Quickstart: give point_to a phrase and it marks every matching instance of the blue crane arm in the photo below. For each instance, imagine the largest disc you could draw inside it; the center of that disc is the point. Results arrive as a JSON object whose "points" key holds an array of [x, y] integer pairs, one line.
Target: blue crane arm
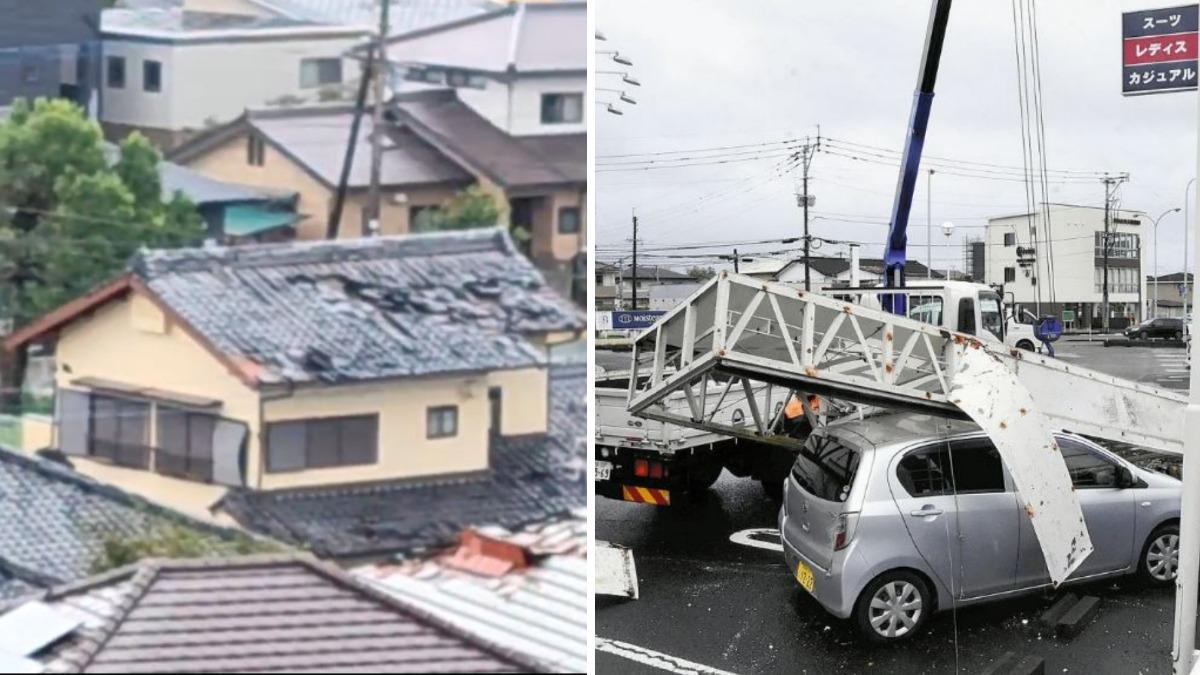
{"points": [[896, 252]]}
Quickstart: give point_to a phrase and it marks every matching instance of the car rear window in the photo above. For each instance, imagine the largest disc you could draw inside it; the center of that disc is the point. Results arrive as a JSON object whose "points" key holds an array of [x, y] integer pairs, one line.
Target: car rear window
{"points": [[825, 467]]}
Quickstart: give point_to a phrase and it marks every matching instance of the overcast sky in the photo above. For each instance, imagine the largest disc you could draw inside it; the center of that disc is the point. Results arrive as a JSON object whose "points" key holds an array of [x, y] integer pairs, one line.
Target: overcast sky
{"points": [[718, 73]]}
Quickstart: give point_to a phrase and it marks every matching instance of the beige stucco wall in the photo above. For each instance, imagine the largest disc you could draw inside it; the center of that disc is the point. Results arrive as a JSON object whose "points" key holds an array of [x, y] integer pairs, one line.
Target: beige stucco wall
{"points": [[404, 451], [131, 341], [523, 400], [547, 242], [228, 162]]}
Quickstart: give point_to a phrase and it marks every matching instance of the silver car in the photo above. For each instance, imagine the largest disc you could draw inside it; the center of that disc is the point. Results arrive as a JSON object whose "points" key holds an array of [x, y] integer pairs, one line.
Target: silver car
{"points": [[878, 527]]}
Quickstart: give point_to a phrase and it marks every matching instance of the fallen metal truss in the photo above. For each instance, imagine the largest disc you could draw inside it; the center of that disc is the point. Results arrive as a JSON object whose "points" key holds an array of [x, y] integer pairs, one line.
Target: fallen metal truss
{"points": [[772, 342]]}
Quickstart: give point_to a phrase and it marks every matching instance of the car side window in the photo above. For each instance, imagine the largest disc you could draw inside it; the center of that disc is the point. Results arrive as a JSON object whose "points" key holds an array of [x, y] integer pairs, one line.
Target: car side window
{"points": [[977, 469], [1088, 468]]}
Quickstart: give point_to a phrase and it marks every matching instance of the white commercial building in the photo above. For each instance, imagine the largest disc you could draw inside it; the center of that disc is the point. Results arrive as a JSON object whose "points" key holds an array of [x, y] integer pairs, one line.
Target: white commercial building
{"points": [[1067, 279]]}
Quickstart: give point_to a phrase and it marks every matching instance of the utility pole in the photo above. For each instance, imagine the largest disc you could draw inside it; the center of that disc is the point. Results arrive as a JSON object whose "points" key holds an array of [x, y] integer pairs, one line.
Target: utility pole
{"points": [[804, 200], [929, 225], [371, 227], [736, 259], [635, 266], [1110, 187]]}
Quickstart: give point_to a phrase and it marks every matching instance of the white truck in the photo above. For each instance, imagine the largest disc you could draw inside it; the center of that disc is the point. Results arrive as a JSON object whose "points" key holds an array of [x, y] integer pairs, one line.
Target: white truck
{"points": [[655, 462]]}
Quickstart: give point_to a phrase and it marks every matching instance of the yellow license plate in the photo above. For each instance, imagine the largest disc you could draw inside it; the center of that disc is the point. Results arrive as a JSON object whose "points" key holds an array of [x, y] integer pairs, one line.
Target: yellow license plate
{"points": [[804, 575]]}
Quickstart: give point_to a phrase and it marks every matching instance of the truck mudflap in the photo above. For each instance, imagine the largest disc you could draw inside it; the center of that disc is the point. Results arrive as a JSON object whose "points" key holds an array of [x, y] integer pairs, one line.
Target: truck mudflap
{"points": [[646, 495], [615, 572]]}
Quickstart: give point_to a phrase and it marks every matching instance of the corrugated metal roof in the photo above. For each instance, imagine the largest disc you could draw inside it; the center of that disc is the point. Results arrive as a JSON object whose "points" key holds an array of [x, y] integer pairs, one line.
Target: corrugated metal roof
{"points": [[288, 613], [540, 610]]}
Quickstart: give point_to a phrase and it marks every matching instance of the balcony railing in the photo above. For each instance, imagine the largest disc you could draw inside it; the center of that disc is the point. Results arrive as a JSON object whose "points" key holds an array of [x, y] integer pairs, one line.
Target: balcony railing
{"points": [[129, 455], [165, 463]]}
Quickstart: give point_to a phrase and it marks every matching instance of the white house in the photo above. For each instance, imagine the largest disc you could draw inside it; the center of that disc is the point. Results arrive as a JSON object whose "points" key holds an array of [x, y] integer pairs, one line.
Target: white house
{"points": [[1076, 247], [523, 67], [172, 72]]}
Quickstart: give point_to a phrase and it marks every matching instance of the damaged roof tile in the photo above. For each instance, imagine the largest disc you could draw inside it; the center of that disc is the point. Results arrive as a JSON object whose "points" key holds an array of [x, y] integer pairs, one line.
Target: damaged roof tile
{"points": [[345, 311]]}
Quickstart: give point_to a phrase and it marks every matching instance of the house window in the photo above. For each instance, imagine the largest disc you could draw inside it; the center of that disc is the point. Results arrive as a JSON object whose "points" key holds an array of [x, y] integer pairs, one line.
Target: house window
{"points": [[568, 220], [1010, 238], [562, 108], [254, 150], [119, 431], [30, 72], [185, 444], [321, 443], [116, 72], [320, 72], [1010, 275], [441, 422], [422, 218], [152, 76]]}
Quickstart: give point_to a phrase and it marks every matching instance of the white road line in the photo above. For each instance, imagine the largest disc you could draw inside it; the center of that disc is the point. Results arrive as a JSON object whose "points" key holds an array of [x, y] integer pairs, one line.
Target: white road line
{"points": [[755, 537], [649, 657]]}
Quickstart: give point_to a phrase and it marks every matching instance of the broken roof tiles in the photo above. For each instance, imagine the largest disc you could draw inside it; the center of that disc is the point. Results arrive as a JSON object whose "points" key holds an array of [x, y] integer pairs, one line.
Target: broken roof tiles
{"points": [[354, 310]]}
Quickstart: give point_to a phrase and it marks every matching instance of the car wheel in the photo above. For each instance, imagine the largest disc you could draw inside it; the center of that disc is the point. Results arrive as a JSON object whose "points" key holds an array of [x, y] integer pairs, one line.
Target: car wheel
{"points": [[1143, 335], [894, 606], [1026, 345], [1178, 336], [1160, 556]]}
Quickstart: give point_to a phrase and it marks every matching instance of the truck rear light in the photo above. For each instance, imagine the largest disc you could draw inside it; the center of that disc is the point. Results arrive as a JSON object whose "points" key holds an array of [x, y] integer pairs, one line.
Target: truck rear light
{"points": [[656, 470], [641, 468]]}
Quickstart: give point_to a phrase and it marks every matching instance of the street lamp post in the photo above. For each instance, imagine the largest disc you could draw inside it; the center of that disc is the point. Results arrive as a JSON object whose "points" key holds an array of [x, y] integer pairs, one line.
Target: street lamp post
{"points": [[1154, 305], [1185, 247]]}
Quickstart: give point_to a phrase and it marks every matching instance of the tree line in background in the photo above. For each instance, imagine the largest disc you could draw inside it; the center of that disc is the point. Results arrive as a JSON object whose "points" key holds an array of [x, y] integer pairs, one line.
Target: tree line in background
{"points": [[72, 213]]}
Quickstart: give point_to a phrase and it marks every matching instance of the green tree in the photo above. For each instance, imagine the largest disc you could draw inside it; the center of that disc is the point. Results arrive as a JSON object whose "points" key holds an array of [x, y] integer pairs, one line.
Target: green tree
{"points": [[70, 220], [699, 272], [470, 208]]}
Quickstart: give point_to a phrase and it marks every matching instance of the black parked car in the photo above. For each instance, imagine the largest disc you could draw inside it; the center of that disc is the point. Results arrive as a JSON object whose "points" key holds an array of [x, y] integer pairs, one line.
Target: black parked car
{"points": [[1171, 329]]}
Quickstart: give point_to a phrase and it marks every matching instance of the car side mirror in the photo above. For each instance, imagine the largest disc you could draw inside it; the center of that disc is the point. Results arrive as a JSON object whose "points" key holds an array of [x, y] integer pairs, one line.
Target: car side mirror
{"points": [[1125, 477]]}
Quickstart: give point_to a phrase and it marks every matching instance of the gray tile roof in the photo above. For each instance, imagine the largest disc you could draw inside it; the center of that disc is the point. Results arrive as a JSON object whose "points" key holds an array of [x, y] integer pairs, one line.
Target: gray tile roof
{"points": [[512, 161], [521, 38], [178, 21], [289, 613], [316, 138], [404, 15], [363, 309], [531, 479], [54, 522]]}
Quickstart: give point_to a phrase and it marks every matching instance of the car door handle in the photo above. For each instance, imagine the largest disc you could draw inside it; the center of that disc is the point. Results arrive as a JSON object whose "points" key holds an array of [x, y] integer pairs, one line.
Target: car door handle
{"points": [[931, 511]]}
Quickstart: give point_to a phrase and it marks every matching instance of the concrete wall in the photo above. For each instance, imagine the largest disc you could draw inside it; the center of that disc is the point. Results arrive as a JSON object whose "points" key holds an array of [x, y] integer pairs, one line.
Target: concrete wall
{"points": [[1073, 240], [197, 90]]}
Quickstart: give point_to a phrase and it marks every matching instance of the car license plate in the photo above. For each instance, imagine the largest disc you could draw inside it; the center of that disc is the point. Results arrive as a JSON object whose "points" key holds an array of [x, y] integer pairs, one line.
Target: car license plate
{"points": [[603, 470], [804, 575]]}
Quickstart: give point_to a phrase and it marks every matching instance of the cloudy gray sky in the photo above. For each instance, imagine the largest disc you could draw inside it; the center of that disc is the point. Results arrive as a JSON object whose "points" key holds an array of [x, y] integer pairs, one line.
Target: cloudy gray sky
{"points": [[720, 73]]}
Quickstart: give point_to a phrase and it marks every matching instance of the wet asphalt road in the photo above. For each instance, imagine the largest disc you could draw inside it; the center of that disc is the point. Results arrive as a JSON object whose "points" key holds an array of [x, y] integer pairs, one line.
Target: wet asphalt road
{"points": [[735, 608]]}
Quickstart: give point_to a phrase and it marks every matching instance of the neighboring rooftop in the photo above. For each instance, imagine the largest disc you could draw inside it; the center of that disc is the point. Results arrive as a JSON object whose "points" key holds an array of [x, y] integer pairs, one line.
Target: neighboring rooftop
{"points": [[524, 38], [651, 273], [348, 310], [434, 138], [289, 612], [531, 479], [197, 187], [832, 267], [179, 25], [526, 589], [55, 523], [444, 121]]}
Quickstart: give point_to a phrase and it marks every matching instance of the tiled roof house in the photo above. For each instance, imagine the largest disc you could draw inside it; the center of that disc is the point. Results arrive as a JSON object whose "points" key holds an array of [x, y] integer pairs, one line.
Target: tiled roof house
{"points": [[333, 368]]}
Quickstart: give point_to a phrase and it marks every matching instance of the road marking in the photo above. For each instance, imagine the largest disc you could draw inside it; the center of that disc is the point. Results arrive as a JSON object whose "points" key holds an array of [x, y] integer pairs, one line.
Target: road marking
{"points": [[758, 537], [649, 657]]}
